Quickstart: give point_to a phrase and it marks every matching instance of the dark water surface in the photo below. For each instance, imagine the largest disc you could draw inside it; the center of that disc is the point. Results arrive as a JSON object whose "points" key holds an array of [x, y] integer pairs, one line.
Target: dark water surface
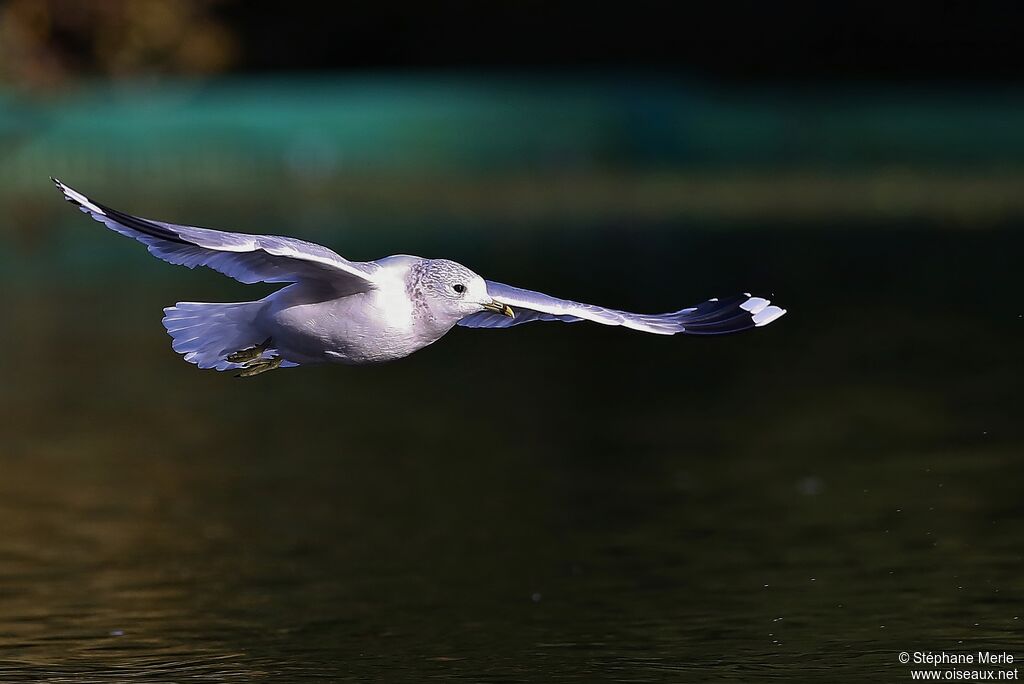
{"points": [[551, 502]]}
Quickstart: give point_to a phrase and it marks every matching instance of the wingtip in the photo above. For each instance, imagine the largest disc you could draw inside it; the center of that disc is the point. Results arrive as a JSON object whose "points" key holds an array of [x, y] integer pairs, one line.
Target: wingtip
{"points": [[754, 305], [767, 315], [77, 198], [761, 310]]}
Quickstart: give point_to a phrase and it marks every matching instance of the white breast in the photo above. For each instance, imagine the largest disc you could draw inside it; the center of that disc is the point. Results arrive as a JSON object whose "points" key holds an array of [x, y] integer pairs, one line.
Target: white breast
{"points": [[392, 303], [368, 327]]}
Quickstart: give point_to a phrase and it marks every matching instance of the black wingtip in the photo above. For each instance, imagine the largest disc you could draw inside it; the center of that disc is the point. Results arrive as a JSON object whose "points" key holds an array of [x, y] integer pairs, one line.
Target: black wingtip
{"points": [[64, 191], [731, 314]]}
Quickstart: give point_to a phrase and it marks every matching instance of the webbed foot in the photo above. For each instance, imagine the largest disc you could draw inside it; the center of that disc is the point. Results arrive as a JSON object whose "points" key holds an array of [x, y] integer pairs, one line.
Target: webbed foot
{"points": [[252, 360], [257, 366], [251, 354]]}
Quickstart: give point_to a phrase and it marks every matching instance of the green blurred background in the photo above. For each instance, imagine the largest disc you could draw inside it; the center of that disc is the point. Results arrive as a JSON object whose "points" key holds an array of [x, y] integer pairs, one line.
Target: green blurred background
{"points": [[548, 502]]}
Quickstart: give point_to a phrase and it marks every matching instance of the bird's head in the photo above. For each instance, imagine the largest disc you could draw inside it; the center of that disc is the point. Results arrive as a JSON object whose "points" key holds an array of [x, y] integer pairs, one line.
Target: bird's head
{"points": [[456, 291]]}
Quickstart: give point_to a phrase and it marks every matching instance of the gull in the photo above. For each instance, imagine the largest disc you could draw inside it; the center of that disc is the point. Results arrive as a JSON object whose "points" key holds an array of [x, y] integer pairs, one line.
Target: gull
{"points": [[361, 312]]}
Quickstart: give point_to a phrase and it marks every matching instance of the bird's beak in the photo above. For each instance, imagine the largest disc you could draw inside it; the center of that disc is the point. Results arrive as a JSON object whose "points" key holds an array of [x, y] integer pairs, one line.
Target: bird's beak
{"points": [[498, 307]]}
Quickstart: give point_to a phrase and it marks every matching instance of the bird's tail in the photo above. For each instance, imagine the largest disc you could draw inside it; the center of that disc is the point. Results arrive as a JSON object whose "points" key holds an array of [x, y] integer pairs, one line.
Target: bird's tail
{"points": [[207, 334]]}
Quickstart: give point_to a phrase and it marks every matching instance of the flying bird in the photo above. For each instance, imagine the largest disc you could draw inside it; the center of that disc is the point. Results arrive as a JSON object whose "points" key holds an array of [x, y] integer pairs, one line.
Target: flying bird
{"points": [[360, 312]]}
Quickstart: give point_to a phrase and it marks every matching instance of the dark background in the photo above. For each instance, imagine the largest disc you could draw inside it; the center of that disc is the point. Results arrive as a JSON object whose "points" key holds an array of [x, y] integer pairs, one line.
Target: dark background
{"points": [[738, 41], [742, 41]]}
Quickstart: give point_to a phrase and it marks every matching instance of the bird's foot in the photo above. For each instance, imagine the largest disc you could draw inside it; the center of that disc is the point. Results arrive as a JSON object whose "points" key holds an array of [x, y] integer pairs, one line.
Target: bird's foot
{"points": [[251, 354], [257, 366], [253, 361]]}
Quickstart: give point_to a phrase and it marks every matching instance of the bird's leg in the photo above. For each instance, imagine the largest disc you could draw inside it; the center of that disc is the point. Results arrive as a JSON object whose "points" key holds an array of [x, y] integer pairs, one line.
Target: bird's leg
{"points": [[250, 354], [258, 366], [252, 360]]}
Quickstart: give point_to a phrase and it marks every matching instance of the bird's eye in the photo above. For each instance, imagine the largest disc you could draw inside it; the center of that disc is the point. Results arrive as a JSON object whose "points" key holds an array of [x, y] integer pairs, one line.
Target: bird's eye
{"points": [[459, 287]]}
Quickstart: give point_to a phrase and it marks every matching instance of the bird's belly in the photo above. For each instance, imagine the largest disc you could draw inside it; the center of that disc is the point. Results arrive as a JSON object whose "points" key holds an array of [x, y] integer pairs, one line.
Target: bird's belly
{"points": [[357, 329]]}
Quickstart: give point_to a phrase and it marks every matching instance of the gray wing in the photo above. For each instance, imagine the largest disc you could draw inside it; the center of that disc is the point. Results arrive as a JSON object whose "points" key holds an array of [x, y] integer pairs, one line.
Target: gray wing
{"points": [[713, 317], [246, 258]]}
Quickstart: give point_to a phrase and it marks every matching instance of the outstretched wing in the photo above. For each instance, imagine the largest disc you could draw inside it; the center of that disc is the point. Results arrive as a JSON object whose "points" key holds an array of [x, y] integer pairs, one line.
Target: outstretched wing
{"points": [[246, 258], [713, 317]]}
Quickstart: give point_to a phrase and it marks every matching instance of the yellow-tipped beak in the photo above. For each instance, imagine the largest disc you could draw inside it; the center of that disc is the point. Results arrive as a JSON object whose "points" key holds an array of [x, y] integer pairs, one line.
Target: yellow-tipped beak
{"points": [[498, 307]]}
